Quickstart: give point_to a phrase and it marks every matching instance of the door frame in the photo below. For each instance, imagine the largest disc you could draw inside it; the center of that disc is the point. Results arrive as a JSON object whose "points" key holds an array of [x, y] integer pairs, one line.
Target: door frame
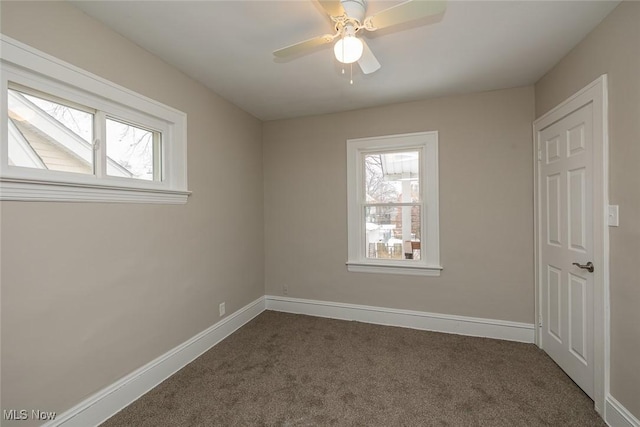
{"points": [[596, 94]]}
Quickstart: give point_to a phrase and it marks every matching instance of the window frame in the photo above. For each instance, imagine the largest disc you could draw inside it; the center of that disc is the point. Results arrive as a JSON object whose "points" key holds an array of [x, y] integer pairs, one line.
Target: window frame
{"points": [[24, 66], [427, 145]]}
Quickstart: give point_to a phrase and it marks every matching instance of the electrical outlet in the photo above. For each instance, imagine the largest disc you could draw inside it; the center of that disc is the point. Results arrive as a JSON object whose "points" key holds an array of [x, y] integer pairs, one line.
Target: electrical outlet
{"points": [[222, 310], [285, 289]]}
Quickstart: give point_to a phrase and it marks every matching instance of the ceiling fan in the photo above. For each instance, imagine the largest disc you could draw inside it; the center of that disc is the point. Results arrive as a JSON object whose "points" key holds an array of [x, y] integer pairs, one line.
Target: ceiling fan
{"points": [[348, 17]]}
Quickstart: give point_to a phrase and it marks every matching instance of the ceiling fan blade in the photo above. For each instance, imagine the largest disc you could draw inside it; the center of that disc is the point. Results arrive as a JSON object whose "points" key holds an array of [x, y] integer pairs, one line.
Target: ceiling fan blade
{"points": [[332, 7], [368, 62], [404, 12], [303, 46]]}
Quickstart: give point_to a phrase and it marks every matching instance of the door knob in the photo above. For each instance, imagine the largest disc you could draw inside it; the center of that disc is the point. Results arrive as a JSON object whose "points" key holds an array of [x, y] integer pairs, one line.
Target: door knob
{"points": [[588, 266]]}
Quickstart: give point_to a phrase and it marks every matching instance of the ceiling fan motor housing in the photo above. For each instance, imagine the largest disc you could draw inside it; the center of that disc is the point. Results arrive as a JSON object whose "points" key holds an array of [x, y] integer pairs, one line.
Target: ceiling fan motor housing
{"points": [[355, 9]]}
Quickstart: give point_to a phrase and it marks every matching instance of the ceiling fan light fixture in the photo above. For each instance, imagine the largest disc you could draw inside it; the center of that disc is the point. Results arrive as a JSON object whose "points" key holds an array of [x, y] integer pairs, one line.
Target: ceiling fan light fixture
{"points": [[348, 49]]}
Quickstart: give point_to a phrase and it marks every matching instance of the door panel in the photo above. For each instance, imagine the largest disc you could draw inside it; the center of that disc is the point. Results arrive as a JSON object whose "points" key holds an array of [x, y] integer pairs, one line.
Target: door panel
{"points": [[577, 319], [554, 299], [566, 237], [576, 215], [553, 210]]}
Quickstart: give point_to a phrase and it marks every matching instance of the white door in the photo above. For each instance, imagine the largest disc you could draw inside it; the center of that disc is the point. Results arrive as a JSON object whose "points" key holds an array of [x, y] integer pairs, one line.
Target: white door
{"points": [[566, 238]]}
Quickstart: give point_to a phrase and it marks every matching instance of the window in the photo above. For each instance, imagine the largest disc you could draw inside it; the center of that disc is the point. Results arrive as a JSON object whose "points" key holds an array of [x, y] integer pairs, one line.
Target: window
{"points": [[68, 135], [135, 151], [393, 204]]}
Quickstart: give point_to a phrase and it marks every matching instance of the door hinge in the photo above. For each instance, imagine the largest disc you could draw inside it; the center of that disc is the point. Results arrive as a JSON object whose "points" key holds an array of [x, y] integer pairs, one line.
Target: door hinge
{"points": [[540, 322], [539, 155]]}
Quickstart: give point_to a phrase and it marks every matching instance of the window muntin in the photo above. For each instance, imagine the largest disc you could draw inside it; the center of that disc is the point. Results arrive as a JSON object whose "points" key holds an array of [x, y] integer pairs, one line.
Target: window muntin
{"points": [[393, 204]]}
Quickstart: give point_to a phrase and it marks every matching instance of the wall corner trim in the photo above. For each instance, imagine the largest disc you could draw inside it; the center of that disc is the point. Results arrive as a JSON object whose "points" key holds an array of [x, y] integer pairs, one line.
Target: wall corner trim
{"points": [[115, 397], [616, 415], [461, 325]]}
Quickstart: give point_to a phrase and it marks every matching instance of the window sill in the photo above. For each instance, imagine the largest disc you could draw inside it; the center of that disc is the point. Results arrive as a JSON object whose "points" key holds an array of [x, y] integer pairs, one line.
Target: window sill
{"points": [[359, 267], [39, 191]]}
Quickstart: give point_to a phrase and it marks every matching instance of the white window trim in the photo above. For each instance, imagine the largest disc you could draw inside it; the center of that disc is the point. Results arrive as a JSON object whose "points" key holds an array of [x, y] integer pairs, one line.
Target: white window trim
{"points": [[32, 68], [427, 143]]}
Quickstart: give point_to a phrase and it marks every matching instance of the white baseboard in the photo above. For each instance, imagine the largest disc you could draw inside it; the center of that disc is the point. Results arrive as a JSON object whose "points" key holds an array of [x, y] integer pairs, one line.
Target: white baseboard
{"points": [[617, 415], [461, 325], [112, 399]]}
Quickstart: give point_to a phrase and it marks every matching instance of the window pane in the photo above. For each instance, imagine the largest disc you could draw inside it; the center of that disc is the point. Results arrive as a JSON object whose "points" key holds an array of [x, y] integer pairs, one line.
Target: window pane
{"points": [[47, 135], [392, 177], [392, 232], [130, 151]]}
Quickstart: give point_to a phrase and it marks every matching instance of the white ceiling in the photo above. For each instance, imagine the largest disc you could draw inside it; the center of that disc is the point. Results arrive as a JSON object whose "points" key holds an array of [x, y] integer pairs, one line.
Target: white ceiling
{"points": [[227, 45]]}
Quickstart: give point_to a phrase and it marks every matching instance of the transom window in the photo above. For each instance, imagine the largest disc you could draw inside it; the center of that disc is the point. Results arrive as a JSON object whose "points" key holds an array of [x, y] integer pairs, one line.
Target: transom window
{"points": [[44, 134], [69, 135], [134, 149], [393, 204], [53, 135]]}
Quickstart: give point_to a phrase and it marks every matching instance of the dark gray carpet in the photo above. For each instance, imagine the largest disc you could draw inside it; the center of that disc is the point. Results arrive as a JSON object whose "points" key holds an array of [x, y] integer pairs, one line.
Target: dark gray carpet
{"points": [[293, 370]]}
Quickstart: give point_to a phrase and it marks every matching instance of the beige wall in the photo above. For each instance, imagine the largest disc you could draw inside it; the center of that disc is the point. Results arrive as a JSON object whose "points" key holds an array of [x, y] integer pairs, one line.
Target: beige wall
{"points": [[486, 207], [614, 48], [91, 291]]}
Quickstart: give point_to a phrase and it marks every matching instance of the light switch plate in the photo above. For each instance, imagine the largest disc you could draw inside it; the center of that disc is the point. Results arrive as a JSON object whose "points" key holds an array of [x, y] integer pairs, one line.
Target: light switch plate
{"points": [[614, 216]]}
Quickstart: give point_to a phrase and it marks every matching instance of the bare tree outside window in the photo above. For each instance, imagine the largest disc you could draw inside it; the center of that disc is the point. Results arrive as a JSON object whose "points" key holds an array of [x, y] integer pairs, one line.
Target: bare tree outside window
{"points": [[131, 147], [73, 119], [377, 189], [48, 135], [391, 181]]}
